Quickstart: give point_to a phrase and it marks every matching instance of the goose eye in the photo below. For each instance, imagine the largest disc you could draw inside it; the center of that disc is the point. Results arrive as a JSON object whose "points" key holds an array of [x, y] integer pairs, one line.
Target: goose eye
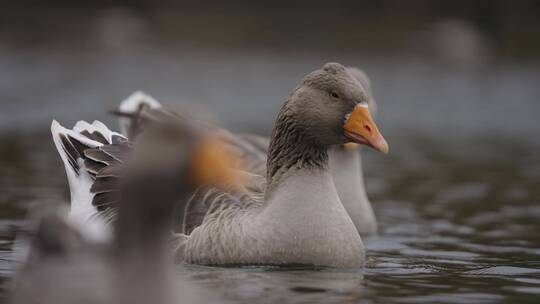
{"points": [[334, 95]]}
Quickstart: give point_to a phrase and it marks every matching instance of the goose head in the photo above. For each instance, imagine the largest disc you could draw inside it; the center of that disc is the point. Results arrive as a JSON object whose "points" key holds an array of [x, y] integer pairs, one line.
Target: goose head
{"points": [[333, 107]]}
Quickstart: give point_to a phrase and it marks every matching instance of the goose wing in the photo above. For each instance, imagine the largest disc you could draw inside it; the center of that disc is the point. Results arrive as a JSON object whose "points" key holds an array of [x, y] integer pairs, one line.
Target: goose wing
{"points": [[93, 157], [140, 109]]}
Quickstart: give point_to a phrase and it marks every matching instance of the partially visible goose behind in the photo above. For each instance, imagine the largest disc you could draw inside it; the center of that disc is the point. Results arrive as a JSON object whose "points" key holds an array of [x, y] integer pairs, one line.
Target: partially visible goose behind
{"points": [[168, 164], [344, 160], [346, 167], [296, 217]]}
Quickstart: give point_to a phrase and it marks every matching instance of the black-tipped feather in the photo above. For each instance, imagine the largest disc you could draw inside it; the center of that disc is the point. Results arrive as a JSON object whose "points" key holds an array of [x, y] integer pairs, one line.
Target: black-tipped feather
{"points": [[93, 167], [96, 136], [104, 184], [105, 200], [110, 171], [71, 153], [98, 155], [78, 146], [120, 152]]}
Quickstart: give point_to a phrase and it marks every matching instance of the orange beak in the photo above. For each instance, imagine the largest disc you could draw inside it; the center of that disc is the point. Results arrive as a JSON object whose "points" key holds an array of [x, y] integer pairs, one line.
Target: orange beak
{"points": [[361, 129]]}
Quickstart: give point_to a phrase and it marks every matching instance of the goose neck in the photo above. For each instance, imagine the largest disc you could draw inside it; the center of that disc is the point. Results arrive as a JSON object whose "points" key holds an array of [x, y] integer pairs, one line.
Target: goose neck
{"points": [[293, 149]]}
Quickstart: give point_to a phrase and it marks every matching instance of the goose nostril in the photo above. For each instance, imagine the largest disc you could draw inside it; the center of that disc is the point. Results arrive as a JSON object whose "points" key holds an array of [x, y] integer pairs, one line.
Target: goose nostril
{"points": [[368, 128]]}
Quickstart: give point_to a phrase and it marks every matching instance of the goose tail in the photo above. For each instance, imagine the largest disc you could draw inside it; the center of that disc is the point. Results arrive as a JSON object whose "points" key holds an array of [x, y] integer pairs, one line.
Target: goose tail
{"points": [[71, 145], [131, 106]]}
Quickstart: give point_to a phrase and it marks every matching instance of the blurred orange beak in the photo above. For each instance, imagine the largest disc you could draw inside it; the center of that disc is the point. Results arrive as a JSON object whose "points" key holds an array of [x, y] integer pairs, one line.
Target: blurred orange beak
{"points": [[214, 165], [361, 129]]}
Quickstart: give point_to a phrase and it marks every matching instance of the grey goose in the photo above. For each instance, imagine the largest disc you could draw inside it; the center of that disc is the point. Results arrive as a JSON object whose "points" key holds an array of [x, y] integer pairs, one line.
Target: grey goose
{"points": [[295, 216]]}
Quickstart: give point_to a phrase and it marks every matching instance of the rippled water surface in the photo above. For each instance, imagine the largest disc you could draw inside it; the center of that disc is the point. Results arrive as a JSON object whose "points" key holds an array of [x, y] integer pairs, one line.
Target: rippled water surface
{"points": [[454, 228], [458, 199]]}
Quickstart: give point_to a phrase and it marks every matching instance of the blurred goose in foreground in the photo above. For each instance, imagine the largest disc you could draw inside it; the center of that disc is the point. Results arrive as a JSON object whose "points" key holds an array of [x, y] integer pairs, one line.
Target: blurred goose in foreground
{"points": [[296, 217], [169, 162], [344, 160]]}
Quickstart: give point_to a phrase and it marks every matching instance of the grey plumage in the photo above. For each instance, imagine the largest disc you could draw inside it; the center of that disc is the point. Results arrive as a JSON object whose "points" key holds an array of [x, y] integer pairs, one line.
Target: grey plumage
{"points": [[346, 168], [292, 145]]}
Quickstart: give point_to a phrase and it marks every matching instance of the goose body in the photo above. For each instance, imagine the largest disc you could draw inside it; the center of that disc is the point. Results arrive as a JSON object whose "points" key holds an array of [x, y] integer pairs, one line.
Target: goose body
{"points": [[295, 216], [345, 164], [291, 226]]}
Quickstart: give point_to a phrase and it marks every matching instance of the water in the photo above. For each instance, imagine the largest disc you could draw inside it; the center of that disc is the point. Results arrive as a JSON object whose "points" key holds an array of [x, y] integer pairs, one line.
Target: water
{"points": [[458, 198], [453, 229]]}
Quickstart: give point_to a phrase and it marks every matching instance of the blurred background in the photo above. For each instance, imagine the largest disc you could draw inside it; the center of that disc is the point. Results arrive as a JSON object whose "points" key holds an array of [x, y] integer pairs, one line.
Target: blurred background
{"points": [[457, 64], [458, 91]]}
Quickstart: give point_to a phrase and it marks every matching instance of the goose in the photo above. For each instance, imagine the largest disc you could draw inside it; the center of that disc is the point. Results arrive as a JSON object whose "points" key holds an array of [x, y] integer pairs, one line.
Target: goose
{"points": [[296, 217], [345, 165], [134, 266], [344, 160]]}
